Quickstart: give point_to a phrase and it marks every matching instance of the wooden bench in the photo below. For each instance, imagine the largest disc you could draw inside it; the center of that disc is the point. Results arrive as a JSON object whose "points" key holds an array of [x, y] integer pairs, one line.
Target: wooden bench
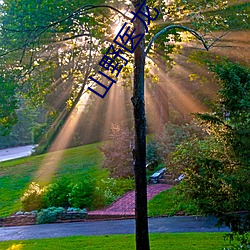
{"points": [[155, 177]]}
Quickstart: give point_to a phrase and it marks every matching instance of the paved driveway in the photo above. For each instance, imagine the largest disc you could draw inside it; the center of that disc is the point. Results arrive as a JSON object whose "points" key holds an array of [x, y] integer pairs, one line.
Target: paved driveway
{"points": [[125, 205], [156, 225]]}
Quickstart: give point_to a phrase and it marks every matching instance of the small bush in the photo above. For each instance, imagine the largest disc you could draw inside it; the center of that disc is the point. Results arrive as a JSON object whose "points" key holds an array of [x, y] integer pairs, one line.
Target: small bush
{"points": [[152, 157], [81, 194], [109, 189], [33, 198], [48, 215], [57, 193], [242, 241], [103, 194], [123, 185]]}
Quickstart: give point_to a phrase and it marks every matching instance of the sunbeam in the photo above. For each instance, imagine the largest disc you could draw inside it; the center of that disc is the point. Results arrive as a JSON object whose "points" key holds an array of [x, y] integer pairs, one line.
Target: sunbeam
{"points": [[51, 161]]}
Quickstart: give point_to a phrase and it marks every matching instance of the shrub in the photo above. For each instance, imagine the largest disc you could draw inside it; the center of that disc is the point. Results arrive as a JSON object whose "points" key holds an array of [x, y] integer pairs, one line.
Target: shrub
{"points": [[73, 209], [81, 194], [109, 189], [103, 194], [118, 153], [48, 215], [152, 156], [33, 197], [243, 242], [56, 194], [208, 179]]}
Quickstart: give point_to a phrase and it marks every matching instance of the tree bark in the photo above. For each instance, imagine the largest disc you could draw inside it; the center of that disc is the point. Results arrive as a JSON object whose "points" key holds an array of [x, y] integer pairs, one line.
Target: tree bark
{"points": [[139, 151]]}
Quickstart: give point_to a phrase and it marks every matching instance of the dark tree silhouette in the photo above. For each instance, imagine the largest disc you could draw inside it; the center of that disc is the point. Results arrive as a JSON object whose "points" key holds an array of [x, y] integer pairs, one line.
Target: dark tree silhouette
{"points": [[139, 151]]}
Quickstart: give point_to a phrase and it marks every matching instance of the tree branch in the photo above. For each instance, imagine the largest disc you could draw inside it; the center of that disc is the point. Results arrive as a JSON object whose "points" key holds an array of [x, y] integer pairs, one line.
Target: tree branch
{"points": [[76, 12], [42, 29], [193, 32], [218, 38]]}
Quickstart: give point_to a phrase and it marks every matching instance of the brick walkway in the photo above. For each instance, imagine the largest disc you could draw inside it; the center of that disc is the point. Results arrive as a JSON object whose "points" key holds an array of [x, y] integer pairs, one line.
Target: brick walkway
{"points": [[124, 207]]}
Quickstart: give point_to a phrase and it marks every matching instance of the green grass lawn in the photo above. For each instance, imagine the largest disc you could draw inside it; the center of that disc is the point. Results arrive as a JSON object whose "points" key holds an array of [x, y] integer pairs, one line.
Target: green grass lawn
{"points": [[16, 175], [169, 202], [170, 241]]}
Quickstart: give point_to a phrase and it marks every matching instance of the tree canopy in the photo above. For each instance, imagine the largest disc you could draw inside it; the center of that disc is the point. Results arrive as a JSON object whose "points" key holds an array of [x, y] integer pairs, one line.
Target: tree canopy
{"points": [[54, 46]]}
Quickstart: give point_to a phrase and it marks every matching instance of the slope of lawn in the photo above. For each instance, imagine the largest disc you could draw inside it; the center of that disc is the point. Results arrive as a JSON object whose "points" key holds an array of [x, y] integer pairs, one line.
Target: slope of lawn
{"points": [[16, 175], [173, 241], [169, 202]]}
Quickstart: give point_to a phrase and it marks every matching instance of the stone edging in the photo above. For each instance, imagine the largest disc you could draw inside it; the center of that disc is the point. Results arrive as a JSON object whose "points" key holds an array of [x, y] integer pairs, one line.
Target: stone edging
{"points": [[30, 219]]}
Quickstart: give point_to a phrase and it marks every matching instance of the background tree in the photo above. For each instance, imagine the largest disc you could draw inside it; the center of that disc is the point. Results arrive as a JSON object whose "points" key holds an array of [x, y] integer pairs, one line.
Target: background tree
{"points": [[53, 54], [8, 105], [165, 142], [118, 156]]}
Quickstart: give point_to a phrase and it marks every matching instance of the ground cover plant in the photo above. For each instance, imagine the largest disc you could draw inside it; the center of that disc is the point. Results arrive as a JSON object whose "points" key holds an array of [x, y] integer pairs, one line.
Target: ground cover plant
{"points": [[171, 241]]}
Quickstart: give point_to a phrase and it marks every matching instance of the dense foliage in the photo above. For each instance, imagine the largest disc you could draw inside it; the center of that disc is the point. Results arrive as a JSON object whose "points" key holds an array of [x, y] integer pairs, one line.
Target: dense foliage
{"points": [[56, 194], [8, 105], [162, 143], [217, 168], [90, 193], [53, 46]]}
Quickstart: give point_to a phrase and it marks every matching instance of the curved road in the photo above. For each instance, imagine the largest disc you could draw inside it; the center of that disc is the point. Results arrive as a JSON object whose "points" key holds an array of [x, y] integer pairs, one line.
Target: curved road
{"points": [[17, 152], [156, 225]]}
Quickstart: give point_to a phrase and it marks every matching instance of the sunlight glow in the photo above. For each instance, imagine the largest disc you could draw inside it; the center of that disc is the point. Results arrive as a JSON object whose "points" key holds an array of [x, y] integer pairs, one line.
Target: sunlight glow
{"points": [[171, 93], [117, 27], [115, 110], [52, 159], [16, 247]]}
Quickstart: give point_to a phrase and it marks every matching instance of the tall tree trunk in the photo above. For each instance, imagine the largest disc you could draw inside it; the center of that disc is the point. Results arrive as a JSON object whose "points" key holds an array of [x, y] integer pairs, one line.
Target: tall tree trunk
{"points": [[139, 151]]}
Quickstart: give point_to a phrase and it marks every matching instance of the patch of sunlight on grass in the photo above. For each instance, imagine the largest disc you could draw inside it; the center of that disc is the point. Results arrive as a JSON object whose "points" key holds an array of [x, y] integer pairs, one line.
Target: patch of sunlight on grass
{"points": [[15, 247]]}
